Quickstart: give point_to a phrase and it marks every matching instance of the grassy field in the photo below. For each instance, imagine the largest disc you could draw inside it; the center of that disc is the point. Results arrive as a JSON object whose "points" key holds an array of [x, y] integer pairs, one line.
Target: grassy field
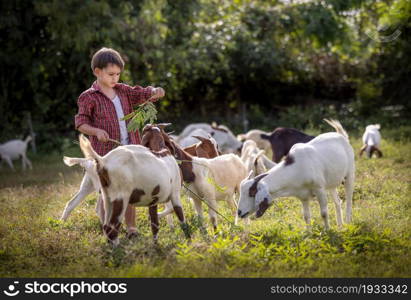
{"points": [[34, 243]]}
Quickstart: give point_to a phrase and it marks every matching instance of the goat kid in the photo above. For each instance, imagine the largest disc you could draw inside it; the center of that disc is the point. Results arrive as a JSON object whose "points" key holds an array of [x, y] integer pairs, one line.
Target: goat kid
{"points": [[13, 150], [309, 170], [371, 140]]}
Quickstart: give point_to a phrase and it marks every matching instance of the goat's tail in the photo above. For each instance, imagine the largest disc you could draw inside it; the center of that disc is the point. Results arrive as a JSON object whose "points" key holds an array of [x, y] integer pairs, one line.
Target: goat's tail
{"points": [[88, 150], [337, 126], [28, 139]]}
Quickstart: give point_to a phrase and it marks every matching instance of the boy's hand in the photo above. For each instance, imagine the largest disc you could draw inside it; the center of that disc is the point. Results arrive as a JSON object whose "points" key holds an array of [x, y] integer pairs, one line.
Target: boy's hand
{"points": [[102, 135], [157, 93]]}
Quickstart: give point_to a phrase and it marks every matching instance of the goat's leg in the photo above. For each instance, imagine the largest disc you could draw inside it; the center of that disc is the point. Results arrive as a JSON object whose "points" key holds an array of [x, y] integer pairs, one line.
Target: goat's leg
{"points": [[9, 162], [212, 212], [198, 206], [23, 163], [154, 221], [379, 153], [234, 208], [322, 199], [362, 150], [115, 212], [86, 188], [130, 220], [166, 213], [176, 202], [349, 189], [28, 162], [167, 210], [337, 203], [306, 211], [100, 211]]}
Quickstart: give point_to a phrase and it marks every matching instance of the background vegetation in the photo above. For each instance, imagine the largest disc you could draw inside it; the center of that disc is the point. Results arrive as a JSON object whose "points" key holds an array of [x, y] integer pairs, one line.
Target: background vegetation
{"points": [[278, 62]]}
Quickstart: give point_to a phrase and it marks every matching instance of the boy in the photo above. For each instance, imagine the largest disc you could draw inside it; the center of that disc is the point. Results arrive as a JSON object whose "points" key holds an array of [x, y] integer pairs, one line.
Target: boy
{"points": [[101, 108]]}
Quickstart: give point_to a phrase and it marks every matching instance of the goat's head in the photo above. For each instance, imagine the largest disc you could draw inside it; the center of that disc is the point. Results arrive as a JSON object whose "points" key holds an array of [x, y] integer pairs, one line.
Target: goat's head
{"points": [[254, 196], [153, 138], [206, 148]]}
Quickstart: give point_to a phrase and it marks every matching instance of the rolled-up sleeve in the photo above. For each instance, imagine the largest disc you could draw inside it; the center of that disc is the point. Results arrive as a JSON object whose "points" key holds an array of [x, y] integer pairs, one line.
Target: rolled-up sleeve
{"points": [[84, 115], [137, 94]]}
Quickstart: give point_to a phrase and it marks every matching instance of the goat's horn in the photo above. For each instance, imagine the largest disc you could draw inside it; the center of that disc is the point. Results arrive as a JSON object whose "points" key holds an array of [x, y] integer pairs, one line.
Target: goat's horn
{"points": [[250, 174]]}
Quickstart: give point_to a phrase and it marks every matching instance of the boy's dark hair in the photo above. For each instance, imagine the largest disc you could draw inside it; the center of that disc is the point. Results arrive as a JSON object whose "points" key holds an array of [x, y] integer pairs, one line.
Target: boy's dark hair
{"points": [[106, 56]]}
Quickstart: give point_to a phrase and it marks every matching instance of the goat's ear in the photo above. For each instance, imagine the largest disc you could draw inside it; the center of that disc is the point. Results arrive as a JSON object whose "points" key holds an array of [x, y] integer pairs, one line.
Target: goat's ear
{"points": [[241, 137], [71, 161], [250, 174], [163, 125], [200, 138]]}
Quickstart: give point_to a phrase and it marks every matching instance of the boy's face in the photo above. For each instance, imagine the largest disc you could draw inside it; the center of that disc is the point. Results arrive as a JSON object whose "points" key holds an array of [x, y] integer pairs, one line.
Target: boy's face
{"points": [[108, 76]]}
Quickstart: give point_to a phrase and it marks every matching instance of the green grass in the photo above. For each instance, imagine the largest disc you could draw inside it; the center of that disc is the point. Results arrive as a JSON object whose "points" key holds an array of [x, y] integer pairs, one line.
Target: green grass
{"points": [[34, 243]]}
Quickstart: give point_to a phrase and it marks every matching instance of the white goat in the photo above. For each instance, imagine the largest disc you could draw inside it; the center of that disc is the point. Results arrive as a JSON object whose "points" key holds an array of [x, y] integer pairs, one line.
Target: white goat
{"points": [[227, 142], [213, 179], [157, 181], [254, 158], [14, 149], [309, 169], [371, 140], [190, 128]]}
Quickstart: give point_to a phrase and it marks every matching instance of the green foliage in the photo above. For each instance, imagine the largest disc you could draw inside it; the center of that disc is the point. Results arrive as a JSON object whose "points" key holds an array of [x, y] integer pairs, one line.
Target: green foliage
{"points": [[210, 56], [143, 114]]}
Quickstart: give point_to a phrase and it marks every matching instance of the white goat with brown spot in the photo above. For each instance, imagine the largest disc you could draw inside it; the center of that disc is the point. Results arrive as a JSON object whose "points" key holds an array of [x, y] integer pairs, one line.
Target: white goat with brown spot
{"points": [[310, 169], [157, 180]]}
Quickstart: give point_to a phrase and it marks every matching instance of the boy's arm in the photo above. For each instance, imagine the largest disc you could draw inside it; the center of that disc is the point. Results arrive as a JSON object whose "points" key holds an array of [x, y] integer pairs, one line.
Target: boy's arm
{"points": [[101, 134], [138, 94], [83, 119]]}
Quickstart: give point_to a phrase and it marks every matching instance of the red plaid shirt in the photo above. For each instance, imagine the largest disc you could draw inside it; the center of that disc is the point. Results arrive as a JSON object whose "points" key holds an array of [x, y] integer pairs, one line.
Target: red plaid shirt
{"points": [[97, 110]]}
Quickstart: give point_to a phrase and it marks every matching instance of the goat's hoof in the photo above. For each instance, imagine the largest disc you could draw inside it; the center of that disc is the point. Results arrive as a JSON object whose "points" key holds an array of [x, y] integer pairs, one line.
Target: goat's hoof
{"points": [[132, 235]]}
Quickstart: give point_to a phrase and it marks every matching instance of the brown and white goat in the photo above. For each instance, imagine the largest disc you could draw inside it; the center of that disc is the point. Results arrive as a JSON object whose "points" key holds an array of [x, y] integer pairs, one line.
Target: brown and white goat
{"points": [[204, 148], [136, 175], [213, 179]]}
